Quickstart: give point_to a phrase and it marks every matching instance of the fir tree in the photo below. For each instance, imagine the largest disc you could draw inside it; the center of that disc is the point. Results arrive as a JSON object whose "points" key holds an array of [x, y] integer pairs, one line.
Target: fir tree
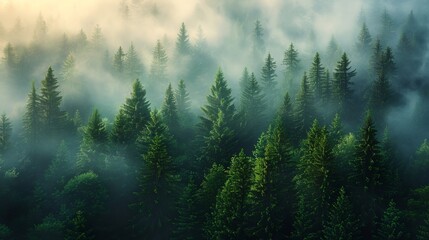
{"points": [[245, 79], [118, 61], [183, 46], [304, 108], [341, 223], [69, 67], [183, 103], [120, 132], [32, 117], [53, 118], [292, 65], [285, 117], [342, 80], [381, 96], [133, 66], [228, 218], [268, 76], [186, 222], [157, 180], [314, 183], [364, 40], [169, 111], [391, 227], [316, 76], [258, 38], [158, 68], [5, 133]]}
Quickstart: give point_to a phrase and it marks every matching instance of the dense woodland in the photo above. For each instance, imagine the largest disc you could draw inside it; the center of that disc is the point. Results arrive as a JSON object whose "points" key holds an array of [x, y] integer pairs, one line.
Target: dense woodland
{"points": [[296, 150]]}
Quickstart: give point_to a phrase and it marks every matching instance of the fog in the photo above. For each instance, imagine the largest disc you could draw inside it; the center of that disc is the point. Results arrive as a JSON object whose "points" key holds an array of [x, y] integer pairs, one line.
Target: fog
{"points": [[227, 29]]}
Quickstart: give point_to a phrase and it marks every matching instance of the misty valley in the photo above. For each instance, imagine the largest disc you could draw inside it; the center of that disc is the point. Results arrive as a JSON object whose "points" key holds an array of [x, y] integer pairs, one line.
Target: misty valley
{"points": [[134, 119]]}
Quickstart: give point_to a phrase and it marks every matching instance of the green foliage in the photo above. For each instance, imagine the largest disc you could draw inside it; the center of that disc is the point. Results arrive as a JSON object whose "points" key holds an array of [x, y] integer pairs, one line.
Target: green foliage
{"points": [[183, 46], [183, 103], [342, 80], [5, 232], [69, 68], [118, 61], [32, 117], [423, 231], [341, 223], [304, 113], [5, 133], [169, 112], [291, 61], [316, 75], [158, 68], [50, 229], [314, 183], [391, 226], [268, 76], [228, 218], [364, 40], [258, 38], [133, 66], [186, 222], [78, 228]]}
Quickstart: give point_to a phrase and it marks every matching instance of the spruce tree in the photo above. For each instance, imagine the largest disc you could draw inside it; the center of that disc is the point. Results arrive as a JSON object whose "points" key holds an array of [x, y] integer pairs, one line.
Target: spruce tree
{"points": [[133, 66], [285, 117], [183, 103], [341, 223], [118, 61], [342, 80], [120, 134], [53, 118], [228, 218], [316, 75], [186, 222], [157, 182], [183, 46], [291, 62], [69, 68], [381, 96], [158, 68], [304, 108], [258, 38], [314, 183], [364, 40], [268, 76], [5, 133], [32, 117], [169, 112], [245, 79], [391, 226]]}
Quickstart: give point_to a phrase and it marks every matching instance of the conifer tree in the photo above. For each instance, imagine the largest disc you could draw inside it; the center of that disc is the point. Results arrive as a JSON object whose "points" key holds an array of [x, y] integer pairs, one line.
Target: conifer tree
{"points": [[292, 65], [316, 76], [326, 91], [341, 223], [314, 183], [5, 133], [342, 80], [367, 176], [252, 110], [169, 112], [10, 59], [118, 61], [32, 117], [136, 110], [133, 66], [186, 222], [364, 40], [270, 191], [258, 38], [69, 67], [183, 103], [336, 129], [285, 117], [386, 26], [53, 118], [245, 79], [304, 108], [333, 53], [377, 57], [158, 68], [183, 46], [380, 96], [157, 182], [391, 227], [228, 218], [388, 63], [268, 76], [120, 133]]}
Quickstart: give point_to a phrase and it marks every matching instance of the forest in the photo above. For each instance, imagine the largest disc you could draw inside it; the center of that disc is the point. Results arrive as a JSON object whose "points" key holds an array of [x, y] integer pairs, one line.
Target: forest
{"points": [[225, 120]]}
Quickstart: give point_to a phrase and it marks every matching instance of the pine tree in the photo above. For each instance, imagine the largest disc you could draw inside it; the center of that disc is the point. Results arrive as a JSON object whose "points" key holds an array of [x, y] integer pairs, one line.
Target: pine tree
{"points": [[367, 174], [326, 92], [333, 53], [97, 39], [183, 46], [183, 103], [10, 58], [5, 133], [285, 117], [32, 117], [228, 218], [258, 38], [316, 75], [292, 65], [341, 223], [120, 133], [270, 191], [220, 99], [252, 110], [186, 222], [95, 132], [388, 63], [136, 110], [304, 108], [268, 76], [53, 118], [336, 129], [245, 79], [381, 96], [377, 57], [158, 68], [391, 227], [314, 183], [157, 180], [169, 112], [69, 67], [133, 66], [386, 26], [364, 40], [118, 61], [342, 80]]}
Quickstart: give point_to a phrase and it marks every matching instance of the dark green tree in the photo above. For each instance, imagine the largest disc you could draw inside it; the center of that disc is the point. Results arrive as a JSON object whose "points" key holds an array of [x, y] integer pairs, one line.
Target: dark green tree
{"points": [[32, 120], [314, 183], [292, 65], [245, 79], [169, 112], [268, 76], [316, 75], [342, 80], [5, 133], [341, 222], [228, 218], [157, 182], [120, 133], [391, 226], [381, 96], [183, 103], [186, 222], [53, 118], [183, 46], [364, 40], [304, 113]]}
